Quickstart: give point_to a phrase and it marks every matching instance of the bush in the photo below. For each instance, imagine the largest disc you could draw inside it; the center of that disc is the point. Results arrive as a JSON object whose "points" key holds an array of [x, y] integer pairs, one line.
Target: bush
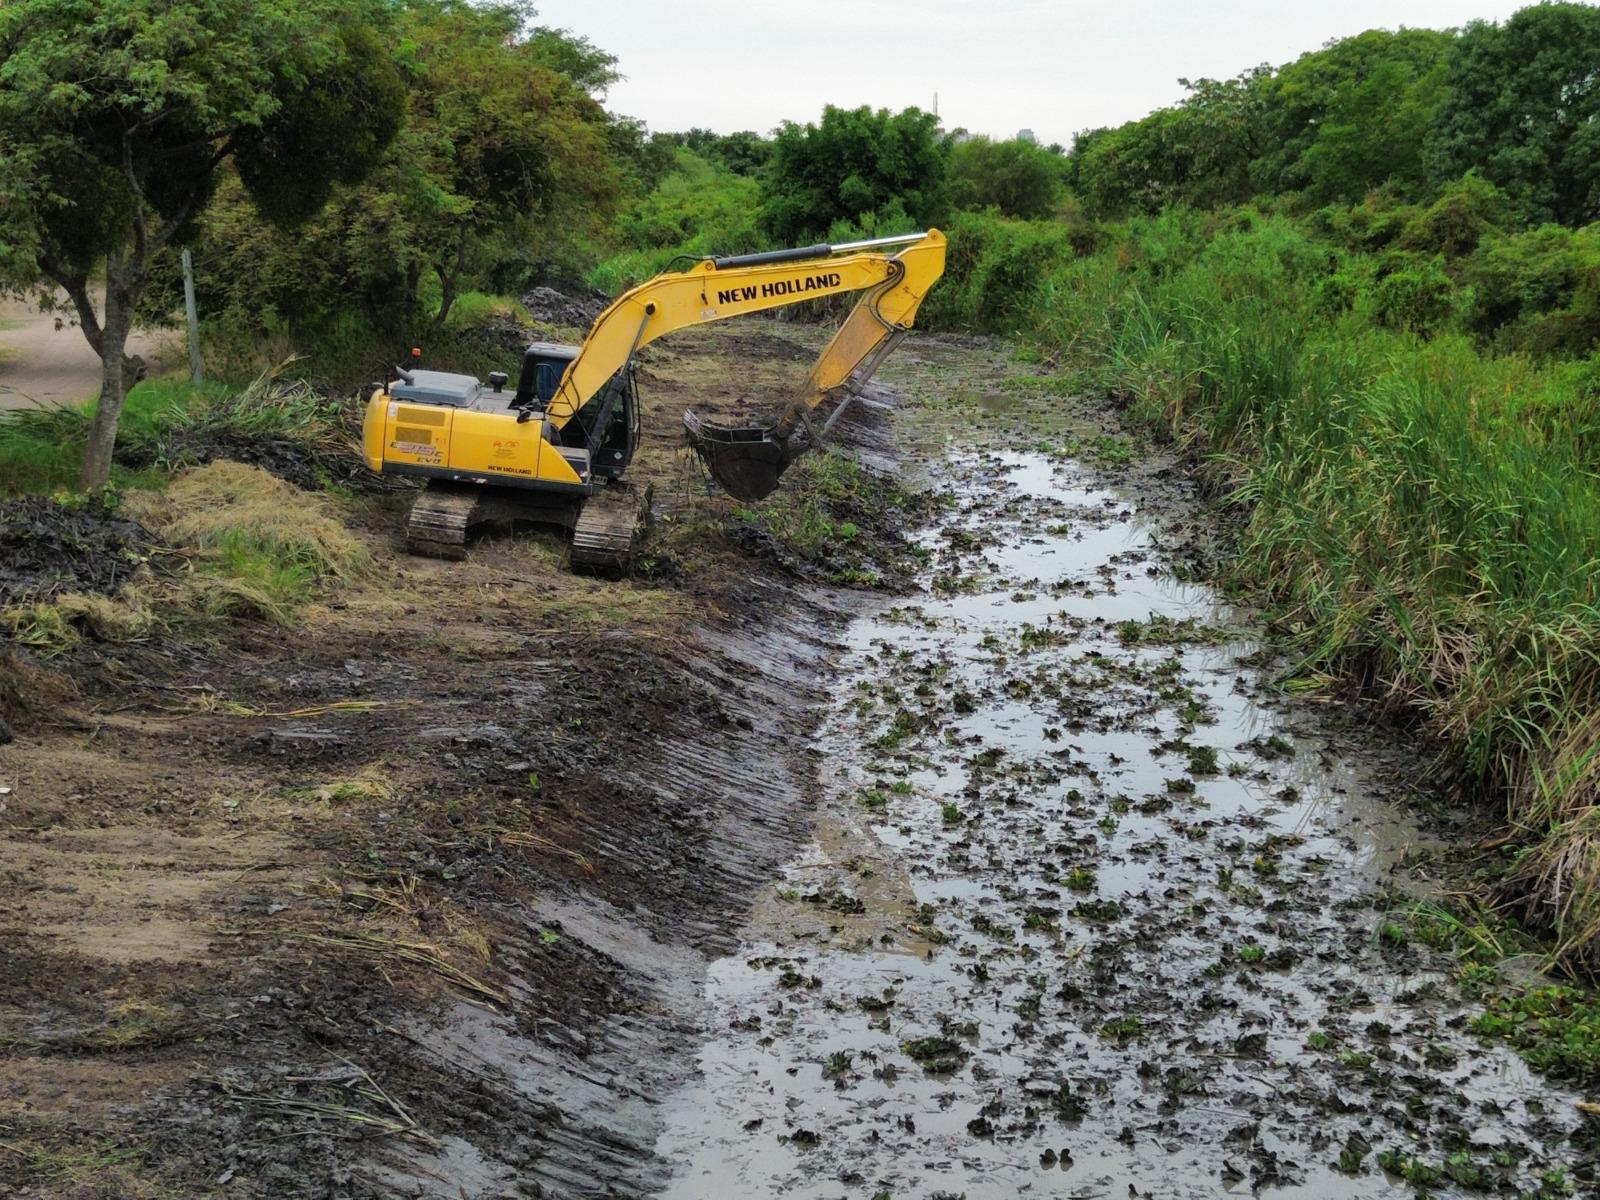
{"points": [[1465, 212], [993, 271], [1016, 178], [1414, 294], [1537, 291]]}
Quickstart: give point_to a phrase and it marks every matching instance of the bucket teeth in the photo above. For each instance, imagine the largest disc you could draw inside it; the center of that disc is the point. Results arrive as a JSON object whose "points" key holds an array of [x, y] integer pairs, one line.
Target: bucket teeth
{"points": [[746, 460]]}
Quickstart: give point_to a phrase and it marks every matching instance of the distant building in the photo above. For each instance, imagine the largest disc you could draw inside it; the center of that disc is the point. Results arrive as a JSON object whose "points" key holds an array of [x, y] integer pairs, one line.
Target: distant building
{"points": [[1026, 135]]}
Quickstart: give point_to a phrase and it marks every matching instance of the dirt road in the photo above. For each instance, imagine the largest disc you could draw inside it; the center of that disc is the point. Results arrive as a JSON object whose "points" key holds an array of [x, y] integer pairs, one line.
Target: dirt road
{"points": [[45, 360]]}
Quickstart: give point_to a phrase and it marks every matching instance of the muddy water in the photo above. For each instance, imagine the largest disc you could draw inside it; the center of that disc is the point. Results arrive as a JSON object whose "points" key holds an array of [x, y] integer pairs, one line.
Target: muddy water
{"points": [[1088, 912]]}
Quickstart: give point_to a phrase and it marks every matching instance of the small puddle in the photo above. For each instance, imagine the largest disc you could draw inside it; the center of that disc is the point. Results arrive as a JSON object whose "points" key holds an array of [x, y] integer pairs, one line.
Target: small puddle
{"points": [[1085, 915]]}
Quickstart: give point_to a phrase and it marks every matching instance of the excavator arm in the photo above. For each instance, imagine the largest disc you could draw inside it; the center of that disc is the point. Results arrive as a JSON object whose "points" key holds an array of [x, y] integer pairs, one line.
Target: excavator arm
{"points": [[748, 460]]}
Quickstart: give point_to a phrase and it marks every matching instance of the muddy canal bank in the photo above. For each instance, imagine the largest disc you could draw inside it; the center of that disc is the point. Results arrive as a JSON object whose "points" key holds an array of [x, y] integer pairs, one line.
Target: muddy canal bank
{"points": [[1090, 909], [481, 880]]}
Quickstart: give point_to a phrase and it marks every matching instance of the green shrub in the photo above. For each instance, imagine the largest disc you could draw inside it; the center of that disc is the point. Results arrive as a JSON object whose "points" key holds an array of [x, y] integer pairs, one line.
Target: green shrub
{"points": [[1414, 294]]}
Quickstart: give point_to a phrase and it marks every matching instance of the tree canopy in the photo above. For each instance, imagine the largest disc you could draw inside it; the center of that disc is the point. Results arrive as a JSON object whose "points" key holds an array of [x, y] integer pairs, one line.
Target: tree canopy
{"points": [[119, 116], [502, 158], [854, 164], [1522, 107], [1017, 177], [1407, 111]]}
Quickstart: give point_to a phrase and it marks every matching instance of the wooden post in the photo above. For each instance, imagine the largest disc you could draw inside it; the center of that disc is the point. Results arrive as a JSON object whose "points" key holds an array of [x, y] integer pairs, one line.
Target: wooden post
{"points": [[196, 370]]}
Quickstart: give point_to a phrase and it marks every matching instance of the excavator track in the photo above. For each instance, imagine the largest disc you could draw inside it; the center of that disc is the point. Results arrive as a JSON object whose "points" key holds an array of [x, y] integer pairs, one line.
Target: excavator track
{"points": [[606, 535], [439, 520]]}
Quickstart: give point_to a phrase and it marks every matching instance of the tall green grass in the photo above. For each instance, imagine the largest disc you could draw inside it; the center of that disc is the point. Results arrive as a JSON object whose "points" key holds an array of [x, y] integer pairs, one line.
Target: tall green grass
{"points": [[41, 449], [1423, 515]]}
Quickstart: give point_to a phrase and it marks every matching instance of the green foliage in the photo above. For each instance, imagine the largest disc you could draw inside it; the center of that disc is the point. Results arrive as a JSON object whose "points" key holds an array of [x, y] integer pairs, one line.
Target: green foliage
{"points": [[742, 153], [1405, 112], [497, 144], [1556, 1028], [1521, 107], [120, 115], [1464, 212], [852, 165], [1413, 293], [129, 107], [1018, 178], [697, 209], [994, 270], [1537, 291], [1352, 116], [502, 162], [41, 449]]}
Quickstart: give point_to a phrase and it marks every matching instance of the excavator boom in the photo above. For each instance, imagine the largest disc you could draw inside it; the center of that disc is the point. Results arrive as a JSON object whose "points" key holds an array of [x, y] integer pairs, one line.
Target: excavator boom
{"points": [[747, 460]]}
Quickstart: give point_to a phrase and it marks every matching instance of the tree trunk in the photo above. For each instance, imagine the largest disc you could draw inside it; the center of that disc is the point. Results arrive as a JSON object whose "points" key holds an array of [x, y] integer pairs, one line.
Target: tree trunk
{"points": [[447, 298], [115, 372]]}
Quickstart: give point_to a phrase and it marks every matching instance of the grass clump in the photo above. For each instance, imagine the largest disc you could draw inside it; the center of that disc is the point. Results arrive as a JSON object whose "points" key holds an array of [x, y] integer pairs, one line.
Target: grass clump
{"points": [[264, 546], [41, 449]]}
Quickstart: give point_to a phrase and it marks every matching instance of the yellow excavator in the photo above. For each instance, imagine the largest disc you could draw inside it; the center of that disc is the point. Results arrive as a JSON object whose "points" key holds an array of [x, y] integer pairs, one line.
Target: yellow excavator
{"points": [[557, 448]]}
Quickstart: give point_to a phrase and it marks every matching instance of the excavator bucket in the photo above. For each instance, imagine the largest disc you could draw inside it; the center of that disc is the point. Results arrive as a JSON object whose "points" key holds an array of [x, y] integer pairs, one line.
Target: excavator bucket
{"points": [[745, 459]]}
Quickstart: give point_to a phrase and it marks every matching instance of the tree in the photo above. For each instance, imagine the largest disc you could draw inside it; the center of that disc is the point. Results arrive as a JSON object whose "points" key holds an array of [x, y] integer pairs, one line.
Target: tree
{"points": [[498, 141], [504, 169], [1522, 107], [1353, 116], [119, 114], [855, 164], [1198, 153], [1018, 177]]}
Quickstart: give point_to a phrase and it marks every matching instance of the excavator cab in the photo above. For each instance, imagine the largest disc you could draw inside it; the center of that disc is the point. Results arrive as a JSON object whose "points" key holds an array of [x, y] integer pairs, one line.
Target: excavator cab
{"points": [[607, 426]]}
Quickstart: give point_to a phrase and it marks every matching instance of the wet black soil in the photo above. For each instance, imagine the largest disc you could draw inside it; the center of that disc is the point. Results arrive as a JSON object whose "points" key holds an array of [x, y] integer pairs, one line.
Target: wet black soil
{"points": [[47, 547]]}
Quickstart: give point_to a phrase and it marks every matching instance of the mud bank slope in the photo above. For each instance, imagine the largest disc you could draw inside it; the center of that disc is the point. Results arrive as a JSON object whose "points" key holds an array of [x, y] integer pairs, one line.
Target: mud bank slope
{"points": [[415, 896]]}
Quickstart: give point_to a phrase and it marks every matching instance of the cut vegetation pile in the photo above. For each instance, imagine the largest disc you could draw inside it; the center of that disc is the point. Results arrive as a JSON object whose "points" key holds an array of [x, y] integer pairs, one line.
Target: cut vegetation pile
{"points": [[262, 544], [257, 547], [291, 428]]}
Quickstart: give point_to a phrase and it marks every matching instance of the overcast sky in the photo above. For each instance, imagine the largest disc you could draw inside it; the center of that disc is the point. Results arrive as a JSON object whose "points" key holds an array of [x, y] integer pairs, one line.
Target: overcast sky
{"points": [[1053, 66]]}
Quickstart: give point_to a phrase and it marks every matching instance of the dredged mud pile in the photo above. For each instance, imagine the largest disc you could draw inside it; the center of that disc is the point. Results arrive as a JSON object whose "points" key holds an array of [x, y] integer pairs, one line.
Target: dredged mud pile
{"points": [[47, 548], [1091, 913]]}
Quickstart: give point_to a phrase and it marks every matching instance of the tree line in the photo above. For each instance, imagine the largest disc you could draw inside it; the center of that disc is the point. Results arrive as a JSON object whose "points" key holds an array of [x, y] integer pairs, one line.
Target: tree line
{"points": [[351, 168], [1409, 112]]}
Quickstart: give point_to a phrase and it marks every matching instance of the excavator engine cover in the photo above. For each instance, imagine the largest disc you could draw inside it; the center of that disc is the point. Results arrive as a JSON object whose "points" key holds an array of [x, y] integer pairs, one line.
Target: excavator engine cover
{"points": [[746, 460]]}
